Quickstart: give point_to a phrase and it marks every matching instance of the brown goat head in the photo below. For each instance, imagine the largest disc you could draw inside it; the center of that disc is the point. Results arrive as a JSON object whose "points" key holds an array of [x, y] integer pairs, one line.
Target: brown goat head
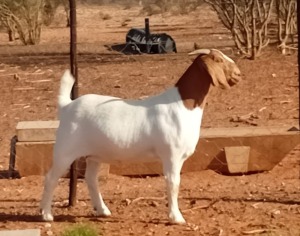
{"points": [[222, 69]]}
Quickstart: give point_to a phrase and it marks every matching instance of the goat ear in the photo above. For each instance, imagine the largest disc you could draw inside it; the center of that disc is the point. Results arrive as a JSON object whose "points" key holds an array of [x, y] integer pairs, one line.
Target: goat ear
{"points": [[217, 74]]}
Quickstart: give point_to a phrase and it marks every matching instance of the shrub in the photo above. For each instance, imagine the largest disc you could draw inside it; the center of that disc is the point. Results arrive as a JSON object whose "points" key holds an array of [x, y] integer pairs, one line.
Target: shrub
{"points": [[81, 230]]}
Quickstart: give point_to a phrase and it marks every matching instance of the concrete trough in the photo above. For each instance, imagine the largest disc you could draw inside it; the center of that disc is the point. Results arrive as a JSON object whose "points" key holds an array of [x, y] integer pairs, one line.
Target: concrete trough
{"points": [[35, 158], [34, 149], [226, 150]]}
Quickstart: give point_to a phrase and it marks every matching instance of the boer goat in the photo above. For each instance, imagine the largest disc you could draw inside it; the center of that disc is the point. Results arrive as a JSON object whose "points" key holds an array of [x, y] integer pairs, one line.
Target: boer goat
{"points": [[165, 127]]}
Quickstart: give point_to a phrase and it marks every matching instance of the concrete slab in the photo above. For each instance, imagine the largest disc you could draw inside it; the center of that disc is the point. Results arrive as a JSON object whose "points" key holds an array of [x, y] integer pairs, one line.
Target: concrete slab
{"points": [[268, 146], [25, 232], [36, 131], [35, 158], [34, 149]]}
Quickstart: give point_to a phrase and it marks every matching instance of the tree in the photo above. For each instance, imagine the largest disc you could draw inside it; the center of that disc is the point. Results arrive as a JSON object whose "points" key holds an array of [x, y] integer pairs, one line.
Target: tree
{"points": [[174, 6], [66, 5], [50, 9], [287, 22], [24, 17], [248, 22], [8, 20]]}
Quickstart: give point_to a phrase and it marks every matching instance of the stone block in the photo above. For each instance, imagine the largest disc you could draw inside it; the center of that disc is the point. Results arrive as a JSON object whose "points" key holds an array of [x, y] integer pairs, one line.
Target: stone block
{"points": [[36, 131], [237, 159], [25, 232], [34, 158]]}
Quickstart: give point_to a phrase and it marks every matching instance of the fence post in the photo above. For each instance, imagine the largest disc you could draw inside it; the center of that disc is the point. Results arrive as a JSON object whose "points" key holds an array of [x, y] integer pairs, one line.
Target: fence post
{"points": [[74, 71], [147, 35], [298, 33]]}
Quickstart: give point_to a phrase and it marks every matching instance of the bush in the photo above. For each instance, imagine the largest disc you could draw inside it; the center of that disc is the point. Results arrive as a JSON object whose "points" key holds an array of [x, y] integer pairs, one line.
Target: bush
{"points": [[24, 17], [152, 7], [247, 21], [81, 230]]}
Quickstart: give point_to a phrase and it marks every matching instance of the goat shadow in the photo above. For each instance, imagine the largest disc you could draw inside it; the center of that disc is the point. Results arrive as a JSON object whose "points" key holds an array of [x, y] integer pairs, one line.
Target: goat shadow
{"points": [[118, 220], [36, 218]]}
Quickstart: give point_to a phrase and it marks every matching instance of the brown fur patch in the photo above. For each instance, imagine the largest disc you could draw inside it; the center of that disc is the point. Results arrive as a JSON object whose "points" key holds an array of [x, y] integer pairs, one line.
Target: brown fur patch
{"points": [[194, 84], [223, 72], [206, 69]]}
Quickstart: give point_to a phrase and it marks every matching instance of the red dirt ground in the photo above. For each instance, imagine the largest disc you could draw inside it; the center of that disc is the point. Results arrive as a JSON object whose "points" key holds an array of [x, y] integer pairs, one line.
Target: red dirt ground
{"points": [[259, 204]]}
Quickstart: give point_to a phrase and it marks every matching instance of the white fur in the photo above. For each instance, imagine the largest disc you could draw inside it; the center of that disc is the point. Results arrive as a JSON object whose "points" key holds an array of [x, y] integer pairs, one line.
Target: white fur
{"points": [[111, 129], [108, 129]]}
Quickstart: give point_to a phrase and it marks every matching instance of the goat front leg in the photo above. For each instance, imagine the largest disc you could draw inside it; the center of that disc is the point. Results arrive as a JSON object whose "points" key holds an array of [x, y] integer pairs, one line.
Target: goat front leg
{"points": [[91, 176], [172, 170]]}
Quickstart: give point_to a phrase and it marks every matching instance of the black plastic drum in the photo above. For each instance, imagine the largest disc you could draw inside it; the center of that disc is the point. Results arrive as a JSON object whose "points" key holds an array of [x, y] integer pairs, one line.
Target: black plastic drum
{"points": [[157, 43]]}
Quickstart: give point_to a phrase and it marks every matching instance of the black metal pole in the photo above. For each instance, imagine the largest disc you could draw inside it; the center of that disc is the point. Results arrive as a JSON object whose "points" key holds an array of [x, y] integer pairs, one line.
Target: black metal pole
{"points": [[74, 71], [12, 159], [298, 32], [147, 34]]}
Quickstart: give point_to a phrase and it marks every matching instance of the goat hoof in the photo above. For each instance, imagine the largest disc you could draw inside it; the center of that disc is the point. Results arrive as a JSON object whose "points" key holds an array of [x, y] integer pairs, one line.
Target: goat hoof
{"points": [[47, 217], [104, 213], [178, 222], [177, 219]]}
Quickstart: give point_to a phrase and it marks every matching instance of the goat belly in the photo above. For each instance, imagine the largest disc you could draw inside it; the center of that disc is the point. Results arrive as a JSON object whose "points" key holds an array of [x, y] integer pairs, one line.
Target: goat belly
{"points": [[120, 137]]}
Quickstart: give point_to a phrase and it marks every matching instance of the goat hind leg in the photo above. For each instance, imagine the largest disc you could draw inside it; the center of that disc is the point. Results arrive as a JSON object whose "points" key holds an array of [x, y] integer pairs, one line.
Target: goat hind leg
{"points": [[91, 176], [59, 167]]}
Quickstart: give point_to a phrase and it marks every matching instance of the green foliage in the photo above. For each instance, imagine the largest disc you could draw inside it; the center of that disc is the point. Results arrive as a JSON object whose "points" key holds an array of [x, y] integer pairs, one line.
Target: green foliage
{"points": [[81, 230]]}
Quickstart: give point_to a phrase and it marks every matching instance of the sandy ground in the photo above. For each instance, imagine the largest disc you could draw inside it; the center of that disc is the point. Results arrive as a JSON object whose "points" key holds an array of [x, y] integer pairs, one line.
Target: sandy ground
{"points": [[213, 204]]}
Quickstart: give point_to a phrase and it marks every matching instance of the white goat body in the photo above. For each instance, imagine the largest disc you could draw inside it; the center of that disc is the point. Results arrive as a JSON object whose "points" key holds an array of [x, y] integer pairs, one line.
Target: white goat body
{"points": [[116, 129], [108, 129]]}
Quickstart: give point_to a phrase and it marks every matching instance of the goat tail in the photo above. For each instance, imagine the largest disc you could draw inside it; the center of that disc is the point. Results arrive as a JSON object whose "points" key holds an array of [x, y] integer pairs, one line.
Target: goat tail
{"points": [[66, 84]]}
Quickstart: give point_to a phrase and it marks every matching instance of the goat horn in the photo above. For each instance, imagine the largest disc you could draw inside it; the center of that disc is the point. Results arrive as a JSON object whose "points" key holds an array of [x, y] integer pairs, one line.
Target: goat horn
{"points": [[200, 51]]}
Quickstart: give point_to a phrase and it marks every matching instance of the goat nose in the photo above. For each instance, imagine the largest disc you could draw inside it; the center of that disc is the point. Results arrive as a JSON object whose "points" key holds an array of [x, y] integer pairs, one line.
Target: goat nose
{"points": [[237, 73]]}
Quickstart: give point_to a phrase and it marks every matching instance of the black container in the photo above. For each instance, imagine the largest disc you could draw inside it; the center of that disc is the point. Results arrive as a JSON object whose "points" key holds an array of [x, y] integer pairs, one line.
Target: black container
{"points": [[145, 42]]}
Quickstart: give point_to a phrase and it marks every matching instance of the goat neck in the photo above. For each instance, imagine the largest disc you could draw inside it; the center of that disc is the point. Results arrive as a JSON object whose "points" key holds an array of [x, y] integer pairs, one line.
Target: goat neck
{"points": [[194, 84]]}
